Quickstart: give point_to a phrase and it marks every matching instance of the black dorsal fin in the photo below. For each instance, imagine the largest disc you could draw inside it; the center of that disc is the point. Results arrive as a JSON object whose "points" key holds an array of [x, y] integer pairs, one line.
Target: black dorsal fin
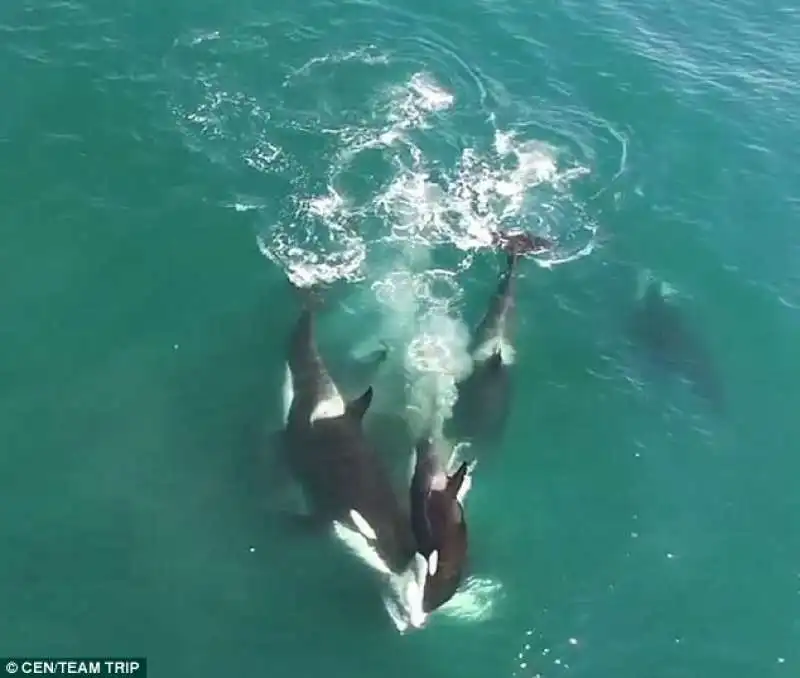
{"points": [[358, 408], [495, 361]]}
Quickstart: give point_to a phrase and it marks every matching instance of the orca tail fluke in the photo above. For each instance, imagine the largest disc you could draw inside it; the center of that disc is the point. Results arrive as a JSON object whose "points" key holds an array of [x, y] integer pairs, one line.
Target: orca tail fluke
{"points": [[520, 243], [511, 260], [310, 295]]}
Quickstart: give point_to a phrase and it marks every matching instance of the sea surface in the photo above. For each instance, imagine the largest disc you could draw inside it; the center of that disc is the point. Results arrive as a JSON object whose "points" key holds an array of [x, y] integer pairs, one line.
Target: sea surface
{"points": [[165, 166]]}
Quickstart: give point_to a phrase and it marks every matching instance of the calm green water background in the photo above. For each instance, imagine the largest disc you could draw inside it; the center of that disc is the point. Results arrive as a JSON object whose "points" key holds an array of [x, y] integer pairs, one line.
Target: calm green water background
{"points": [[629, 532]]}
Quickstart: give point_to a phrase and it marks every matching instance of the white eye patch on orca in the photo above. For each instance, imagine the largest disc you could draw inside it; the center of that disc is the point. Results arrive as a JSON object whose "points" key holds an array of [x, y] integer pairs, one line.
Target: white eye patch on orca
{"points": [[433, 563], [466, 485], [363, 526]]}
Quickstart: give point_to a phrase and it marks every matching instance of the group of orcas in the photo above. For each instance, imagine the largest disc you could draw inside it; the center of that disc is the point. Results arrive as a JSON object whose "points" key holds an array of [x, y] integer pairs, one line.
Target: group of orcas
{"points": [[418, 543]]}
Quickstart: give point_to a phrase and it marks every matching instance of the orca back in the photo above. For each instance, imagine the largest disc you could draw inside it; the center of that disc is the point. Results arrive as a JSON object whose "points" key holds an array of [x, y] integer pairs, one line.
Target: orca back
{"points": [[341, 472], [496, 322], [311, 383], [663, 331], [482, 405], [439, 526], [449, 530]]}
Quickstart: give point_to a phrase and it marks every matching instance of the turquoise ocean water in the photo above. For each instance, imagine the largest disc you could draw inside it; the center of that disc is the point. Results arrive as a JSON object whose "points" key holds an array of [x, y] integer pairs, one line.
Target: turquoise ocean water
{"points": [[163, 166]]}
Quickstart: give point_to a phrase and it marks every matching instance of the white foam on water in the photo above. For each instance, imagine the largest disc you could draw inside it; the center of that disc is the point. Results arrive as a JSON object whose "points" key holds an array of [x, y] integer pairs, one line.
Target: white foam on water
{"points": [[502, 179], [413, 102], [436, 359], [474, 602], [369, 54], [513, 183], [503, 176]]}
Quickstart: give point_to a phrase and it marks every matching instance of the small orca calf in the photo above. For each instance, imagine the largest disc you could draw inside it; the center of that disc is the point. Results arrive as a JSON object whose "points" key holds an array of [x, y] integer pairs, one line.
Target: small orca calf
{"points": [[659, 326], [484, 397], [439, 524]]}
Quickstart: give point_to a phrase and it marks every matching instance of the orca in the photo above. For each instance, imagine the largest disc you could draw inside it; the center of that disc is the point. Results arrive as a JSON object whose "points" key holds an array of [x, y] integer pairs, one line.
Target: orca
{"points": [[439, 523], [484, 396], [659, 326], [343, 480]]}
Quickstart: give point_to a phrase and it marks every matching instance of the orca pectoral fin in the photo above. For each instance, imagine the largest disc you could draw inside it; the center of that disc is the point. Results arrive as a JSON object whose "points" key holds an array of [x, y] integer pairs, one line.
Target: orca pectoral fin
{"points": [[358, 408], [311, 296], [355, 374]]}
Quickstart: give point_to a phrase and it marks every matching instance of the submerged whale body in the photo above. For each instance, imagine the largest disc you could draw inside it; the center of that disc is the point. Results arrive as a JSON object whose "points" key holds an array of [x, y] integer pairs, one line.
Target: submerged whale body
{"points": [[484, 397], [483, 400], [659, 326]]}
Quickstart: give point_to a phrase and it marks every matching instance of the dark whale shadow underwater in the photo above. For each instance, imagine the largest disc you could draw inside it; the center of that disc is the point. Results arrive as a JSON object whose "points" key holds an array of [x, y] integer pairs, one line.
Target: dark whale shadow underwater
{"points": [[662, 330]]}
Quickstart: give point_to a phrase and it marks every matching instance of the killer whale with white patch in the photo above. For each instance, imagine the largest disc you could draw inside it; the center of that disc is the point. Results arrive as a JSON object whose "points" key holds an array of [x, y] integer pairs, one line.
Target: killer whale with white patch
{"points": [[483, 398], [344, 481], [439, 522]]}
